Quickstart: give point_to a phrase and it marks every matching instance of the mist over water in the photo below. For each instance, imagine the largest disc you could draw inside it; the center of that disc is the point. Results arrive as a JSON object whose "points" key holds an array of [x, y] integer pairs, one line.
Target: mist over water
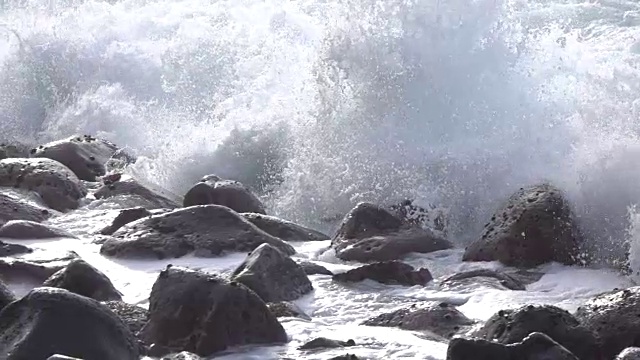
{"points": [[318, 105]]}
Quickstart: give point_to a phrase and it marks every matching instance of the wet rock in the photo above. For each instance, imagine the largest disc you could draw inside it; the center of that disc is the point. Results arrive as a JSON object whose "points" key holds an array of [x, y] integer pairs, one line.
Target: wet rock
{"points": [[311, 268], [133, 316], [287, 309], [13, 206], [208, 230], [25, 229], [511, 326], [34, 271], [283, 229], [55, 321], [13, 151], [370, 233], [182, 356], [632, 353], [345, 357], [536, 346], [387, 272], [272, 275], [615, 318], [85, 155], [7, 249], [62, 357], [6, 295], [124, 217], [511, 280], [324, 343], [133, 191], [83, 279], [441, 319], [203, 314], [533, 227], [232, 194], [58, 187]]}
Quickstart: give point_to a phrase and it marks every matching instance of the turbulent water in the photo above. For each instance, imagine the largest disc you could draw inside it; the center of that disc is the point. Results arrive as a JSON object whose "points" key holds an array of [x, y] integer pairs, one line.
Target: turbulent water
{"points": [[318, 105]]}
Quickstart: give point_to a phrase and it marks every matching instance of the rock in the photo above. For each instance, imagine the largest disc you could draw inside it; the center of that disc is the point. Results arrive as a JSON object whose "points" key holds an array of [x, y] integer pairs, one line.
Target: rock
{"points": [[83, 279], [324, 343], [536, 346], [86, 156], [283, 229], [232, 194], [143, 195], [124, 217], [345, 357], [55, 321], [370, 233], [15, 207], [632, 353], [311, 268], [615, 318], [61, 357], [133, 316], [13, 151], [511, 326], [25, 229], [6, 295], [209, 230], [272, 275], [387, 272], [7, 249], [505, 279], [432, 218], [441, 319], [58, 187], [182, 356], [287, 309], [533, 227], [203, 314], [35, 271]]}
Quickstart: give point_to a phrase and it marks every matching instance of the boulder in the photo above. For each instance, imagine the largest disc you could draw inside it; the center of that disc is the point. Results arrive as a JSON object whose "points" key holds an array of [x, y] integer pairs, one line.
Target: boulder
{"points": [[511, 326], [204, 314], [232, 194], [615, 318], [345, 357], [133, 316], [6, 295], [13, 151], [535, 346], [534, 226], [25, 229], [33, 270], [208, 230], [324, 343], [7, 249], [311, 268], [58, 187], [387, 272], [440, 319], [499, 279], [50, 321], [13, 206], [287, 309], [371, 233], [632, 353], [124, 217], [136, 194], [283, 229], [272, 275], [83, 279]]}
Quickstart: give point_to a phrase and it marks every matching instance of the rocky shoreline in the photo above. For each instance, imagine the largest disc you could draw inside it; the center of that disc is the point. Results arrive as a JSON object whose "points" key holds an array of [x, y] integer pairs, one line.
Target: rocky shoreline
{"points": [[195, 314]]}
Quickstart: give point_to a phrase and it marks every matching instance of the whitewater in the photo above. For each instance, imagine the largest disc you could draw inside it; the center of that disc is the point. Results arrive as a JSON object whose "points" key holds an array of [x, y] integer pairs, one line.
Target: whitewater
{"points": [[317, 105]]}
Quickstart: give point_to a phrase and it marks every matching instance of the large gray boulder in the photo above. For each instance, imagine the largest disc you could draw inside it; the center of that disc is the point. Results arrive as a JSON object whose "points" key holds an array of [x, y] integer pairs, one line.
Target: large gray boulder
{"points": [[535, 346], [15, 206], [135, 193], [83, 279], [232, 194], [283, 229], [25, 229], [207, 231], [534, 226]]}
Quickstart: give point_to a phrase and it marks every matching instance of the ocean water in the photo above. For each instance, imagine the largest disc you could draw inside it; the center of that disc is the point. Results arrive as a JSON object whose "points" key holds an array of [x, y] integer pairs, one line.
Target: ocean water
{"points": [[317, 105]]}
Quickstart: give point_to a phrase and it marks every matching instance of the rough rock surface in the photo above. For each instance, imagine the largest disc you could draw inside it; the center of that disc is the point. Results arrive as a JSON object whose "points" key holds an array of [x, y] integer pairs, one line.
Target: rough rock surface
{"points": [[58, 186], [311, 268], [272, 275], [6, 295], [511, 280], [387, 272], [283, 229], [535, 346], [143, 195], [615, 318], [83, 279], [25, 229], [208, 230], [371, 233], [324, 343], [441, 319], [13, 151], [7, 249], [287, 309], [50, 321], [31, 269], [511, 326], [533, 227], [632, 353], [124, 217], [203, 314], [133, 316], [232, 194], [14, 207]]}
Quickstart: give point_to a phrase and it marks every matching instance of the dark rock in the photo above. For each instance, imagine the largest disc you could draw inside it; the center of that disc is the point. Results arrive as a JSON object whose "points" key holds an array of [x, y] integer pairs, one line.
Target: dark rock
{"points": [[387, 272], [283, 229], [208, 230], [25, 229], [533, 227], [61, 357], [311, 268], [133, 316], [51, 321], [13, 151], [144, 195], [14, 207], [272, 275], [632, 353], [6, 295], [345, 357], [287, 309], [441, 319], [124, 217], [83, 279], [232, 194], [7, 249], [35, 271], [370, 233], [182, 356], [58, 187], [505, 279], [324, 343], [202, 313], [511, 326], [615, 318], [535, 346]]}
